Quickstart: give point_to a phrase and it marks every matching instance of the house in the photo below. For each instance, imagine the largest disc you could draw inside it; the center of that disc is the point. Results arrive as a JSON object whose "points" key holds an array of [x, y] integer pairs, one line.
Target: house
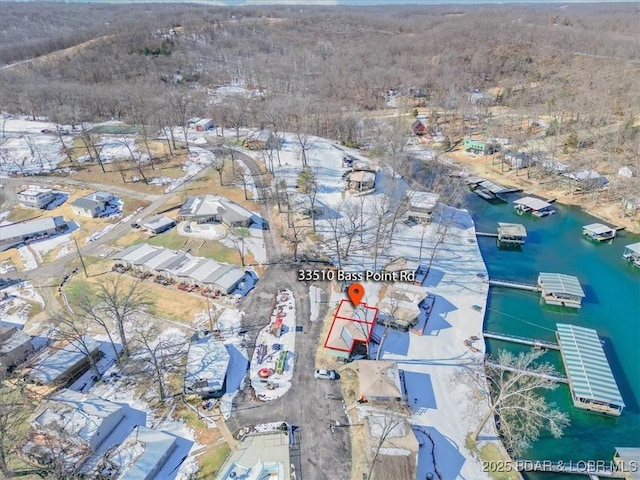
{"points": [[60, 364], [15, 347], [555, 166], [141, 456], [631, 204], [206, 369], [418, 128], [69, 427], [518, 160], [379, 381], [158, 224], [400, 307], [259, 456], [361, 180], [92, 205], [204, 124], [35, 196], [262, 140], [627, 461], [587, 179], [215, 209], [351, 329], [17, 233], [479, 147], [421, 206]]}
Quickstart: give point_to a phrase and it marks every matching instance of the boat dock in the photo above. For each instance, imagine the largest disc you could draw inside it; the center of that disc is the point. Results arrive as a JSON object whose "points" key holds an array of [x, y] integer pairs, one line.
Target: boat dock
{"points": [[518, 285], [551, 378], [485, 234], [489, 190], [522, 340]]}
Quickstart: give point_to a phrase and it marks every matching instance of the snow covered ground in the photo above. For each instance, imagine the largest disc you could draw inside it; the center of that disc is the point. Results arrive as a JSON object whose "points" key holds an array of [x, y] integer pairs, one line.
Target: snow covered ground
{"points": [[15, 308], [277, 384], [198, 159]]}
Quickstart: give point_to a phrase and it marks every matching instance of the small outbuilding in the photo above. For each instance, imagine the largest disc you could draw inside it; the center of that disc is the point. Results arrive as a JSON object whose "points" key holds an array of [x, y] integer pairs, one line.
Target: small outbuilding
{"points": [[15, 348], [158, 224], [204, 124], [361, 181], [262, 140]]}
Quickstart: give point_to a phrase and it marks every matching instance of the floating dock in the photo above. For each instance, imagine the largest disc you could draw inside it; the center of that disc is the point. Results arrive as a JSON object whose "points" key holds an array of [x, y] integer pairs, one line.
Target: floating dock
{"points": [[591, 381]]}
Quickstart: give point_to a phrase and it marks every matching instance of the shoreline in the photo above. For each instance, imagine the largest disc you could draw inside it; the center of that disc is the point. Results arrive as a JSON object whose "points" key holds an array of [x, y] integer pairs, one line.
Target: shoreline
{"points": [[609, 212]]}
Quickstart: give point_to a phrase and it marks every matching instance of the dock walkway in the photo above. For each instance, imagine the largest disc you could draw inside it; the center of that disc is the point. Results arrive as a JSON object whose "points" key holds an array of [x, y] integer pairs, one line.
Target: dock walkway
{"points": [[518, 285], [552, 378], [522, 340]]}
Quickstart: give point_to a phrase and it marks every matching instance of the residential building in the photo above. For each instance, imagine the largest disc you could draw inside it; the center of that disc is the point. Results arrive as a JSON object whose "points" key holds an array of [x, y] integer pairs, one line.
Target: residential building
{"points": [[263, 455], [421, 206], [587, 179], [400, 307], [361, 180], [15, 348], [479, 147], [262, 140], [92, 205], [158, 224], [379, 381], [35, 196], [215, 209], [60, 364], [204, 124], [17, 233], [418, 128], [206, 370]]}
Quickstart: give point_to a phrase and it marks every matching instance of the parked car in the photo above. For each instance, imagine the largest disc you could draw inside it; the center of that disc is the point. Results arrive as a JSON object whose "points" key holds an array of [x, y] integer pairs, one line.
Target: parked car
{"points": [[325, 374], [46, 130]]}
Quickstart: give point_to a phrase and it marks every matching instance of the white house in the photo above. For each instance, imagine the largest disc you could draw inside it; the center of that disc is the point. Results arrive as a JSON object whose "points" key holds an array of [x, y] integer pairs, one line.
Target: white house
{"points": [[92, 205], [35, 196], [215, 209]]}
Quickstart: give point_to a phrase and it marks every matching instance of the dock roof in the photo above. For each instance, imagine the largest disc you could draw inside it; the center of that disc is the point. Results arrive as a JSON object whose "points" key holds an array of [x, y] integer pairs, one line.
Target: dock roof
{"points": [[634, 247], [512, 229], [560, 283], [493, 187], [587, 366], [597, 228], [532, 202]]}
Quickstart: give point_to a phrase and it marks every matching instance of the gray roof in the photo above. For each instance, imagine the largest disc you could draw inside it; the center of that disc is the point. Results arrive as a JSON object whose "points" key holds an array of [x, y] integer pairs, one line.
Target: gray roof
{"points": [[598, 228], [12, 338], [157, 222], [492, 187], [587, 366], [422, 200], [135, 253], [512, 229], [210, 205], [630, 456], [87, 203], [634, 247], [32, 227], [156, 447], [532, 202], [560, 283], [207, 362], [55, 362]]}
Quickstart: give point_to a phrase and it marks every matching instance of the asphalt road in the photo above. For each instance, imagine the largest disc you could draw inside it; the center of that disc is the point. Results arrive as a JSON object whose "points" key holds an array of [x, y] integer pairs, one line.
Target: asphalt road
{"points": [[310, 405]]}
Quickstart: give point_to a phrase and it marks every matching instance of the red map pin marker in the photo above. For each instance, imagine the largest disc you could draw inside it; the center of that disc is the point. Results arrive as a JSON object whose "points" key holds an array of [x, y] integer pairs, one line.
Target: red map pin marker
{"points": [[355, 292]]}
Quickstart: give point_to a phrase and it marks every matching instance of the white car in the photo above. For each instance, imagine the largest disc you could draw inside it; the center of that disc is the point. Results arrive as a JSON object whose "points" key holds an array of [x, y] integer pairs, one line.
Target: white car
{"points": [[325, 374]]}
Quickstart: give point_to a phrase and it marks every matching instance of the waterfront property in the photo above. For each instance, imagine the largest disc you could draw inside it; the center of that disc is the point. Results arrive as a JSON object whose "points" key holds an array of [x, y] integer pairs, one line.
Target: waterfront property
{"points": [[351, 329], [598, 232], [379, 382], [489, 190], [400, 306], [632, 254], [511, 234], [534, 206], [560, 289], [592, 384], [627, 460]]}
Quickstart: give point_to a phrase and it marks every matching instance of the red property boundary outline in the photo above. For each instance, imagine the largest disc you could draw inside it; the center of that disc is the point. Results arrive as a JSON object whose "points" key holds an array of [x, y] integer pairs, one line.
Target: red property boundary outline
{"points": [[356, 320]]}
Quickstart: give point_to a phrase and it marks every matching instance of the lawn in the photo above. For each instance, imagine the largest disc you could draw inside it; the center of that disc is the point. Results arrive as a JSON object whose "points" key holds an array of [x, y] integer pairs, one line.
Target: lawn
{"points": [[169, 239], [21, 214], [212, 461]]}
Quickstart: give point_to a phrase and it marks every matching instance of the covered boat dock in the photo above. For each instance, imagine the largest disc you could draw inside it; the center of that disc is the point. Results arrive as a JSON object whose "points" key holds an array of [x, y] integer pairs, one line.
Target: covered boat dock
{"points": [[489, 190], [632, 254], [599, 232], [533, 205], [592, 384], [511, 234], [560, 289]]}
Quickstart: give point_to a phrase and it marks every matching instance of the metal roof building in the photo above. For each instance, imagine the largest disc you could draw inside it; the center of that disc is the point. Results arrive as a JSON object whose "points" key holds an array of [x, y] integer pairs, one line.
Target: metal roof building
{"points": [[593, 386], [560, 289], [598, 231], [207, 363]]}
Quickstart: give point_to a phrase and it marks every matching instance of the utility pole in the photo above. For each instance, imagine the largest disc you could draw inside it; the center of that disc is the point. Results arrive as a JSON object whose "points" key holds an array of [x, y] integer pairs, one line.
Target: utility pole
{"points": [[84, 267]]}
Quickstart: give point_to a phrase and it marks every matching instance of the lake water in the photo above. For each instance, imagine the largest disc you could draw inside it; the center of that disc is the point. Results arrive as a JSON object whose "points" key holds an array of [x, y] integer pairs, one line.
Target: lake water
{"points": [[611, 306]]}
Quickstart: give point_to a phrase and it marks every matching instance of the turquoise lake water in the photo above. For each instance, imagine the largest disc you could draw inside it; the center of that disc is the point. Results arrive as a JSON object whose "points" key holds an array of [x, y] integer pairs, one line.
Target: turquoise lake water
{"points": [[611, 306]]}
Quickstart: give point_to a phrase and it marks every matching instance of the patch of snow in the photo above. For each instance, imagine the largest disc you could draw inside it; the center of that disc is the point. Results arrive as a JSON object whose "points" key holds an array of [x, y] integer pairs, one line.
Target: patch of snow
{"points": [[28, 259], [315, 297]]}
